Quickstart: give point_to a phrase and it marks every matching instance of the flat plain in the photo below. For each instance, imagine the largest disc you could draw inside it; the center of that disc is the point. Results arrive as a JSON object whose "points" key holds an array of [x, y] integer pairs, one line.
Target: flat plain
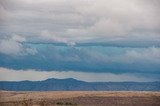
{"points": [[79, 98]]}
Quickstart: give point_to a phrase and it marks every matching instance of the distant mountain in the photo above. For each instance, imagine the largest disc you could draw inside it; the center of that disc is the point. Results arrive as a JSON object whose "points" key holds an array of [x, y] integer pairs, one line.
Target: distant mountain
{"points": [[76, 85]]}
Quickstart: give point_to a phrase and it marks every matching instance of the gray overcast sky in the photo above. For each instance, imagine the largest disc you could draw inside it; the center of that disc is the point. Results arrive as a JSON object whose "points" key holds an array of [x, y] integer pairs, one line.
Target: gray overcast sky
{"points": [[71, 21], [115, 39]]}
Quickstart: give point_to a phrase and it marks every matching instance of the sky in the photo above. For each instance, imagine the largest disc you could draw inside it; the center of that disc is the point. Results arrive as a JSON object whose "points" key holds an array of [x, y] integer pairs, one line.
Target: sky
{"points": [[89, 40]]}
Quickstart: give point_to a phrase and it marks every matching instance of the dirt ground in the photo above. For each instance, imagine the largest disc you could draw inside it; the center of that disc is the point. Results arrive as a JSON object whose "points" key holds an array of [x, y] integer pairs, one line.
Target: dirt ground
{"points": [[79, 98]]}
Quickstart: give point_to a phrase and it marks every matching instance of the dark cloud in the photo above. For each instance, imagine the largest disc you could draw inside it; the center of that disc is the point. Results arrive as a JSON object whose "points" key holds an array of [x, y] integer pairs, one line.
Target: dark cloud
{"points": [[87, 59]]}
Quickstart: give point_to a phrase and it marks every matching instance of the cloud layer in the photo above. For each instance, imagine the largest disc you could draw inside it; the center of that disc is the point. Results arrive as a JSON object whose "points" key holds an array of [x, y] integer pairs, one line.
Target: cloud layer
{"points": [[86, 59], [81, 20], [13, 46]]}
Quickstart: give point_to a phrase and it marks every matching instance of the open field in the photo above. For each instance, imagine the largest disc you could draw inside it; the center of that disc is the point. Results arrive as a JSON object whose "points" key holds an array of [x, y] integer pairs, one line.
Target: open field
{"points": [[79, 98]]}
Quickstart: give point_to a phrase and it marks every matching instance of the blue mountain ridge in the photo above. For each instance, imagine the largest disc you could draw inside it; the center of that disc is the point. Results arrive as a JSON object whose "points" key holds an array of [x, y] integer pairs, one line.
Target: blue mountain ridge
{"points": [[71, 84]]}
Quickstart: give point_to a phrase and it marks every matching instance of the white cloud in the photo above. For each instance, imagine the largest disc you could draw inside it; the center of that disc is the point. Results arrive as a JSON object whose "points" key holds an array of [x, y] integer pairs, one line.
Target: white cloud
{"points": [[139, 56], [34, 75], [48, 36], [18, 38], [10, 47], [150, 55], [13, 46]]}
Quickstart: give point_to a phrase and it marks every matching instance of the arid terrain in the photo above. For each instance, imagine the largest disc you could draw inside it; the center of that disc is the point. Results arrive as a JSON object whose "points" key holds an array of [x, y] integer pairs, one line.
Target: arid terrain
{"points": [[79, 98]]}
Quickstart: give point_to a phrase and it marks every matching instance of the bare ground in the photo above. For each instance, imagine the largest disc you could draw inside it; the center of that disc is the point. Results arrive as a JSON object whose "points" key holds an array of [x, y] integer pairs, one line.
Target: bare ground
{"points": [[79, 98]]}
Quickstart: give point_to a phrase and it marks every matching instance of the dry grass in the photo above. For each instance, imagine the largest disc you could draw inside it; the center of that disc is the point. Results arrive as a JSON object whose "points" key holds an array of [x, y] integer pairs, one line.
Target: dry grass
{"points": [[79, 98]]}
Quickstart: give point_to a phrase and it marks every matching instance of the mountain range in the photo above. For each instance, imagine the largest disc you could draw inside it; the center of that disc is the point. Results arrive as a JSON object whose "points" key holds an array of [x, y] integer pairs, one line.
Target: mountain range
{"points": [[71, 84]]}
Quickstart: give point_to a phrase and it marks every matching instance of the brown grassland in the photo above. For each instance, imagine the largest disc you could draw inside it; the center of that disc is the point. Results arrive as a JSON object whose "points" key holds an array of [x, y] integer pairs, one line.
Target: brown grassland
{"points": [[79, 98]]}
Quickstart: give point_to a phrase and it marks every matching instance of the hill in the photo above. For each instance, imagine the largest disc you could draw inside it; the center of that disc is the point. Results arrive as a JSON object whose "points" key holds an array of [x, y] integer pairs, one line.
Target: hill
{"points": [[76, 85]]}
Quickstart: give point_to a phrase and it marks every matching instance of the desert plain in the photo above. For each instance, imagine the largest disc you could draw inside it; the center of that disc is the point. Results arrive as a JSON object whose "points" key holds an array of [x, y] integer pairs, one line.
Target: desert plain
{"points": [[79, 98]]}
